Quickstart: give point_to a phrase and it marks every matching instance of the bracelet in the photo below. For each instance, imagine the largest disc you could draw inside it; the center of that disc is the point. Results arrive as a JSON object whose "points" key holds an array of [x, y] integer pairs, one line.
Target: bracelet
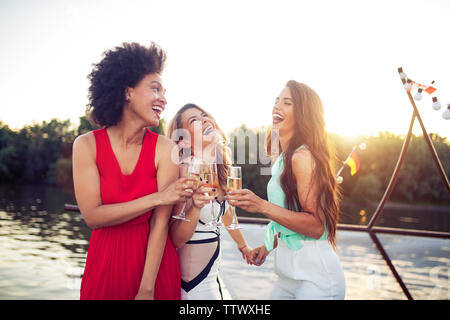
{"points": [[242, 248]]}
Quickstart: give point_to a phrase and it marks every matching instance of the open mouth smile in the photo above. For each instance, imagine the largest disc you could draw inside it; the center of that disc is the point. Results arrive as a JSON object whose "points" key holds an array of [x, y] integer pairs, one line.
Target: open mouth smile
{"points": [[208, 130], [157, 110], [277, 118]]}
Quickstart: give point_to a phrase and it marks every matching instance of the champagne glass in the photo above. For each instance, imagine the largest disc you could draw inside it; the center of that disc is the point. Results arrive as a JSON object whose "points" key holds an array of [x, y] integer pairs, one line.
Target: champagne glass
{"points": [[195, 170], [215, 186], [234, 182], [192, 170], [213, 182]]}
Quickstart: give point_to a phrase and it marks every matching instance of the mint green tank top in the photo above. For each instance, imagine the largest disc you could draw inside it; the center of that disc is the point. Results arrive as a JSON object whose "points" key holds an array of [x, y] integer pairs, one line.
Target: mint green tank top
{"points": [[275, 195]]}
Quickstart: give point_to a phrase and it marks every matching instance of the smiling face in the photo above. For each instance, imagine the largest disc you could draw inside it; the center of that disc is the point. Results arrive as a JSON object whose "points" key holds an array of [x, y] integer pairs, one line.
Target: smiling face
{"points": [[146, 100], [194, 119], [283, 118]]}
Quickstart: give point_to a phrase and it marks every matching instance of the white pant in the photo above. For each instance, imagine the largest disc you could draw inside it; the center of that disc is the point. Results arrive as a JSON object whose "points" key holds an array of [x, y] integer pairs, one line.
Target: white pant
{"points": [[312, 272]]}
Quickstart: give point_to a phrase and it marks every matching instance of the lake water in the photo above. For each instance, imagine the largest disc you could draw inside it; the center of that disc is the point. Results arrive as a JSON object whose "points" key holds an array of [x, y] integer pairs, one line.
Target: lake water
{"points": [[43, 251]]}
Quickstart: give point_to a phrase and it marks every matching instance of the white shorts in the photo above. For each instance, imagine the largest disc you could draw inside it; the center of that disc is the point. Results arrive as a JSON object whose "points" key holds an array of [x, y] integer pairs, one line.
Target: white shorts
{"points": [[313, 272]]}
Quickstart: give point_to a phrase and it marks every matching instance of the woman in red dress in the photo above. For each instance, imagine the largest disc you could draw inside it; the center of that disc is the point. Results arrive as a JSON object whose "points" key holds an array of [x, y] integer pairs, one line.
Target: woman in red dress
{"points": [[125, 184]]}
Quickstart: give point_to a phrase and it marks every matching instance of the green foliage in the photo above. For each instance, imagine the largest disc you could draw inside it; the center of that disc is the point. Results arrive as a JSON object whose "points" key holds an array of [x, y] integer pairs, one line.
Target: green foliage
{"points": [[28, 155], [366, 189], [247, 147], [86, 126], [8, 152], [419, 177], [62, 170], [42, 153], [161, 128]]}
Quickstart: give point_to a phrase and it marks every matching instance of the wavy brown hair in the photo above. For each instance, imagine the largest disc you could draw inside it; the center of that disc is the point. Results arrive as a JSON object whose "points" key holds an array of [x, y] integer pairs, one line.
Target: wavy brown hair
{"points": [[223, 152], [310, 130]]}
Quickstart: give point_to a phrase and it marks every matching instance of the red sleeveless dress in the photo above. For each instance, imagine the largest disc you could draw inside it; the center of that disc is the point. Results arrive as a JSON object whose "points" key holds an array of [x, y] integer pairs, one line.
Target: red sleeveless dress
{"points": [[116, 254]]}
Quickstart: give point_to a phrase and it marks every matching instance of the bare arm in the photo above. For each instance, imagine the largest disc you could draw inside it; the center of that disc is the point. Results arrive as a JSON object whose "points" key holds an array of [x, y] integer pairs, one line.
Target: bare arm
{"points": [[167, 172], [182, 231], [236, 235], [309, 222]]}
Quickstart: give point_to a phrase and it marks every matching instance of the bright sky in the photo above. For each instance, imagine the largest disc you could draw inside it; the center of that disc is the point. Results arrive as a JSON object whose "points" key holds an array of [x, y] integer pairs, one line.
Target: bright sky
{"points": [[234, 57]]}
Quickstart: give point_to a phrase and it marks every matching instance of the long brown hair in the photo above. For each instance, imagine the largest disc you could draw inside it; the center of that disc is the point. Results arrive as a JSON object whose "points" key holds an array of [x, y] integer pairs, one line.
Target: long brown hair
{"points": [[223, 152], [310, 130]]}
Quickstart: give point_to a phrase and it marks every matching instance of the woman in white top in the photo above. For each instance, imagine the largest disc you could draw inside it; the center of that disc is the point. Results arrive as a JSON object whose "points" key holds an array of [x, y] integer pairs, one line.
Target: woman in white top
{"points": [[199, 244]]}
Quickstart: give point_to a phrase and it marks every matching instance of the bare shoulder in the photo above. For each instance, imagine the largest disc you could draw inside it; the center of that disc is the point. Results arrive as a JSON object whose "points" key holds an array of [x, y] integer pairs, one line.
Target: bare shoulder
{"points": [[164, 143], [164, 150], [84, 144], [302, 162], [303, 157]]}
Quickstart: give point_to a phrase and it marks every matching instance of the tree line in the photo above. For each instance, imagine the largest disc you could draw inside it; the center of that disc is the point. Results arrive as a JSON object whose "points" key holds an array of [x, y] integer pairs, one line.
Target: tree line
{"points": [[41, 153]]}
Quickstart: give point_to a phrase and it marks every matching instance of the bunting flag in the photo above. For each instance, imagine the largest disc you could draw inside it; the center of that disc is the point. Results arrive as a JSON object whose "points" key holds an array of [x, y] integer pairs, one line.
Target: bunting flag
{"points": [[353, 163], [427, 89]]}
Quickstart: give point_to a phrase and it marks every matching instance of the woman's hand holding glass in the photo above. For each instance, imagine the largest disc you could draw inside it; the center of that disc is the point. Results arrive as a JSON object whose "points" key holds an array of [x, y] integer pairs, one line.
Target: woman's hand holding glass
{"points": [[188, 170], [178, 191], [245, 199], [234, 182], [202, 195]]}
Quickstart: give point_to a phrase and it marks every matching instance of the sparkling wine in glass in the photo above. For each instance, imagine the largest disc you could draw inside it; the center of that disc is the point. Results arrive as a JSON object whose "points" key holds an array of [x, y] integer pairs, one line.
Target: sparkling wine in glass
{"points": [[234, 182], [192, 170], [213, 182], [215, 185]]}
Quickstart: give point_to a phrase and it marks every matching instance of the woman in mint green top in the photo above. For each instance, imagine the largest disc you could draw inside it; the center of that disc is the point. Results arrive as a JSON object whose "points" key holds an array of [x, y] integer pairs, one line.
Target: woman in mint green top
{"points": [[276, 196], [303, 200]]}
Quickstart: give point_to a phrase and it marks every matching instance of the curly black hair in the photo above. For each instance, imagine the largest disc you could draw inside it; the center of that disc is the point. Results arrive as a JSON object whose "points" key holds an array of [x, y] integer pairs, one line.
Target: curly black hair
{"points": [[119, 69]]}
